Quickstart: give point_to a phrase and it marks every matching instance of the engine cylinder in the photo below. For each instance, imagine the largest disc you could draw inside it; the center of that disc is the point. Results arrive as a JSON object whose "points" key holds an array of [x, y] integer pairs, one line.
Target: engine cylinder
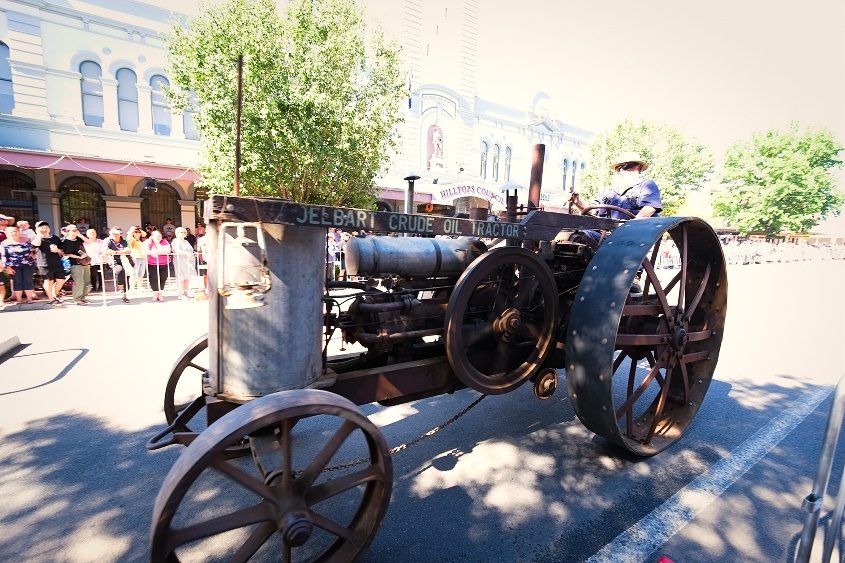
{"points": [[410, 256]]}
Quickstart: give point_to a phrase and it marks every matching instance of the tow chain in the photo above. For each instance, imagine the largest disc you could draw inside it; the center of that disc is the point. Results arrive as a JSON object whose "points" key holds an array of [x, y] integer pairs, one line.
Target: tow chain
{"points": [[416, 440]]}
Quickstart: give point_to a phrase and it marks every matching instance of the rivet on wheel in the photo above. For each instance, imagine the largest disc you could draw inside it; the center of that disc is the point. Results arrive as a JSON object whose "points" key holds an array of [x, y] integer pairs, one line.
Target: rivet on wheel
{"points": [[582, 298], [595, 267], [613, 304], [701, 381], [690, 403], [604, 340]]}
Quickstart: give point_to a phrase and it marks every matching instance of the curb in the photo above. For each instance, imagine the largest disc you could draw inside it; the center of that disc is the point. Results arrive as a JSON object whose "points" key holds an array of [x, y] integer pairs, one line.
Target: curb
{"points": [[8, 345]]}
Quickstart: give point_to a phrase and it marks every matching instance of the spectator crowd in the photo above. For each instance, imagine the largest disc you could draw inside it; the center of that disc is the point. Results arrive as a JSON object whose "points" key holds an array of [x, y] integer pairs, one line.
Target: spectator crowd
{"points": [[77, 260]]}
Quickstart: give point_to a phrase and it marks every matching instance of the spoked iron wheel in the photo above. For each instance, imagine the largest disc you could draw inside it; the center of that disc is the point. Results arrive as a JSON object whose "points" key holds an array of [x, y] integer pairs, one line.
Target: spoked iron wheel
{"points": [[191, 364], [282, 504], [639, 365], [501, 320], [184, 390]]}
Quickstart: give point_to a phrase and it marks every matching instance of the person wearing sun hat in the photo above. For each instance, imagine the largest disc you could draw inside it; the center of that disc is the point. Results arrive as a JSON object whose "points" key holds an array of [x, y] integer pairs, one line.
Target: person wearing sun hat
{"points": [[630, 189]]}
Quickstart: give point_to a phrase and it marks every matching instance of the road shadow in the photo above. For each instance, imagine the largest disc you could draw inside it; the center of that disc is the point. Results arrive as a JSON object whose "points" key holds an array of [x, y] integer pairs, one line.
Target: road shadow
{"points": [[76, 490], [515, 479], [530, 483]]}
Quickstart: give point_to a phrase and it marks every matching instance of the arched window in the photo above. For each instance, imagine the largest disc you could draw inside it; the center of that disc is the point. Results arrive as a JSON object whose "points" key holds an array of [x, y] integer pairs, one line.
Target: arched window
{"points": [[508, 156], [161, 109], [189, 125], [92, 93], [16, 197], [7, 97], [160, 204], [574, 169], [82, 197], [484, 149], [200, 196], [496, 151], [565, 171], [127, 99]]}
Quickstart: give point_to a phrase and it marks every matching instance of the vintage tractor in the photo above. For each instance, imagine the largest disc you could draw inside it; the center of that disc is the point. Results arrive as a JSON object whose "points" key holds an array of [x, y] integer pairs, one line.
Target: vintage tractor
{"points": [[449, 303]]}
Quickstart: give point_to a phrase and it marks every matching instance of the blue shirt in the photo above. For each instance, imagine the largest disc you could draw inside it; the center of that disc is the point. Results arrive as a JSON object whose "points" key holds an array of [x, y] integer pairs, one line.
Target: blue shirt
{"points": [[633, 199]]}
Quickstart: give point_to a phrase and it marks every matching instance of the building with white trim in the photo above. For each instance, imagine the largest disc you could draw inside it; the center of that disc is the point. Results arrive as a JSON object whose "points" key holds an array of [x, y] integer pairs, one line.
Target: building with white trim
{"points": [[86, 132], [84, 125]]}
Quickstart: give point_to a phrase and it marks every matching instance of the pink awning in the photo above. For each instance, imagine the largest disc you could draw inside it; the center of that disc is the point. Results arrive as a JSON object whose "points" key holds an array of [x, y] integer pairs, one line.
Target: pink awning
{"points": [[394, 194], [40, 161]]}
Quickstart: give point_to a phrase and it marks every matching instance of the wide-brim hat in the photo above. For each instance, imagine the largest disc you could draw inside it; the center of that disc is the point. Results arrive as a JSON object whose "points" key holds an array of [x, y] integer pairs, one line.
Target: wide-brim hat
{"points": [[626, 157]]}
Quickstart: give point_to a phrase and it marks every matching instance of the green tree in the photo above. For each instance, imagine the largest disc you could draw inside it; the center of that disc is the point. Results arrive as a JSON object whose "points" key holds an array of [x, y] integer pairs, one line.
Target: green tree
{"points": [[675, 164], [781, 180], [321, 97]]}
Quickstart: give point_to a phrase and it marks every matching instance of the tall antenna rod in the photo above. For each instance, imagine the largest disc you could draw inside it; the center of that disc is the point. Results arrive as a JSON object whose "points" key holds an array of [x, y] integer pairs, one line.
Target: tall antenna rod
{"points": [[238, 125]]}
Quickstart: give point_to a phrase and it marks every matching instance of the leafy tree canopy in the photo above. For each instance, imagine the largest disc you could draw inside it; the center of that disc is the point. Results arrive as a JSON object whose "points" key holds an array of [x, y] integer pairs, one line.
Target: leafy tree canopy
{"points": [[321, 97], [780, 181], [675, 164]]}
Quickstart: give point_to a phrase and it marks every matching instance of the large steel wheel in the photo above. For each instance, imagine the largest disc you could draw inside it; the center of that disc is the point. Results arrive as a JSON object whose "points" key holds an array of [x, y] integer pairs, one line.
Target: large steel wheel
{"points": [[282, 504], [501, 320], [638, 366]]}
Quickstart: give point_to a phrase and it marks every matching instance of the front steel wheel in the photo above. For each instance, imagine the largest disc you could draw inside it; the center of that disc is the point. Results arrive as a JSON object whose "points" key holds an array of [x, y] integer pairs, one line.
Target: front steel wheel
{"points": [[287, 502]]}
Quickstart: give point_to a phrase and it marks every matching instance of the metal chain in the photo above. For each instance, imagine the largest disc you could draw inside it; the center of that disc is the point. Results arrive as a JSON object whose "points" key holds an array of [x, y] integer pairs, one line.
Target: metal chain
{"points": [[416, 440]]}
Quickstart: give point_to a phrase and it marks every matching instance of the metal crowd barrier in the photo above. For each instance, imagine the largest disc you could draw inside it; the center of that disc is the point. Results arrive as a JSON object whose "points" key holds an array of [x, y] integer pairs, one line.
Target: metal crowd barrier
{"points": [[813, 502], [137, 277]]}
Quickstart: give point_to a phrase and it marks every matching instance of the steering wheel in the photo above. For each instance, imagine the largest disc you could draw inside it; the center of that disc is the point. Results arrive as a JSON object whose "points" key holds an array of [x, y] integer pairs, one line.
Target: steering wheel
{"points": [[609, 208]]}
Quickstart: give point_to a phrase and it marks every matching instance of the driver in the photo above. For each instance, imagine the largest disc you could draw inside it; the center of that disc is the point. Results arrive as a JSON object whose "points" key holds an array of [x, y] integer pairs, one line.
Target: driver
{"points": [[630, 190]]}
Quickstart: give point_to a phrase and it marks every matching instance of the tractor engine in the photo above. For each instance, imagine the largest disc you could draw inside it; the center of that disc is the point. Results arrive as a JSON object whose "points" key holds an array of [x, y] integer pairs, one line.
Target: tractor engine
{"points": [[417, 276]]}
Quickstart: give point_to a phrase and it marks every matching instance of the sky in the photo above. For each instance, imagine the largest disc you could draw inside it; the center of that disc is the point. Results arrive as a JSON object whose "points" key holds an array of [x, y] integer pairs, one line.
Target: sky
{"points": [[718, 70]]}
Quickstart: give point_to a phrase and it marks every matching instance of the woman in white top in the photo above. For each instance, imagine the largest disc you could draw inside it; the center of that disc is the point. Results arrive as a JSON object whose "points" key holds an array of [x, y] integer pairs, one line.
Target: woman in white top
{"points": [[94, 248], [183, 261]]}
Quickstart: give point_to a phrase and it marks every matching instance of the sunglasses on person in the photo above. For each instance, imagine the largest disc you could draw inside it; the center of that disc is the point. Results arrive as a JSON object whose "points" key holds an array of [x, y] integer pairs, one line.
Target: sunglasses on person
{"points": [[627, 166]]}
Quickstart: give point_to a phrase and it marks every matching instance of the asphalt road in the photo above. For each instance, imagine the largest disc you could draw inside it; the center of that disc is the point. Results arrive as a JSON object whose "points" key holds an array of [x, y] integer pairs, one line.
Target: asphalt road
{"points": [[515, 479]]}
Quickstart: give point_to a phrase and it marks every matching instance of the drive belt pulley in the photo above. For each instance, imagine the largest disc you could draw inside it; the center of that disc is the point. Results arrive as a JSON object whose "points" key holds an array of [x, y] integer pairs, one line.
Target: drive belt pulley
{"points": [[501, 320]]}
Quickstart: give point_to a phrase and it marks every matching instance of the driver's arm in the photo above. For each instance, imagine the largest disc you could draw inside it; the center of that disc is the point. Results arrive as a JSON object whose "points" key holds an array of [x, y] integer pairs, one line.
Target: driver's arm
{"points": [[575, 199], [646, 211]]}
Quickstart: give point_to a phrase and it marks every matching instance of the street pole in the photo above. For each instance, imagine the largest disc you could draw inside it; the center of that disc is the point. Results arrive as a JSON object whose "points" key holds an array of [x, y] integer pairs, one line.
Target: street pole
{"points": [[238, 106], [409, 195]]}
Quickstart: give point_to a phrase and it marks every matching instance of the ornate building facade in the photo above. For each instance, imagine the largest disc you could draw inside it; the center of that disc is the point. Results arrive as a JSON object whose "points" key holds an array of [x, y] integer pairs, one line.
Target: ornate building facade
{"points": [[86, 131], [465, 147]]}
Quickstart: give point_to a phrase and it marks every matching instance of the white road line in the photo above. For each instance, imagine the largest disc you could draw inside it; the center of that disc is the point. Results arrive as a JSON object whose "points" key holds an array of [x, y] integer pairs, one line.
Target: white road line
{"points": [[649, 534]]}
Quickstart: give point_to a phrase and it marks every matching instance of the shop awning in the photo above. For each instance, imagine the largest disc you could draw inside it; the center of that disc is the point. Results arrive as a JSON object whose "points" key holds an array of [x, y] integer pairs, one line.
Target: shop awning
{"points": [[31, 160]]}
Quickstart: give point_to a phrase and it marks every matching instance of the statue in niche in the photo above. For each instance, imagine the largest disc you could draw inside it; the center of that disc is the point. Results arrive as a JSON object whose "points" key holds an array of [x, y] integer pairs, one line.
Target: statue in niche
{"points": [[435, 148]]}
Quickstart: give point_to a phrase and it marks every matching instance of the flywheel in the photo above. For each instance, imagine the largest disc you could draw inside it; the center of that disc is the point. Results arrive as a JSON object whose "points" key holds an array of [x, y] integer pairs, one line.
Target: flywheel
{"points": [[639, 362], [501, 320]]}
